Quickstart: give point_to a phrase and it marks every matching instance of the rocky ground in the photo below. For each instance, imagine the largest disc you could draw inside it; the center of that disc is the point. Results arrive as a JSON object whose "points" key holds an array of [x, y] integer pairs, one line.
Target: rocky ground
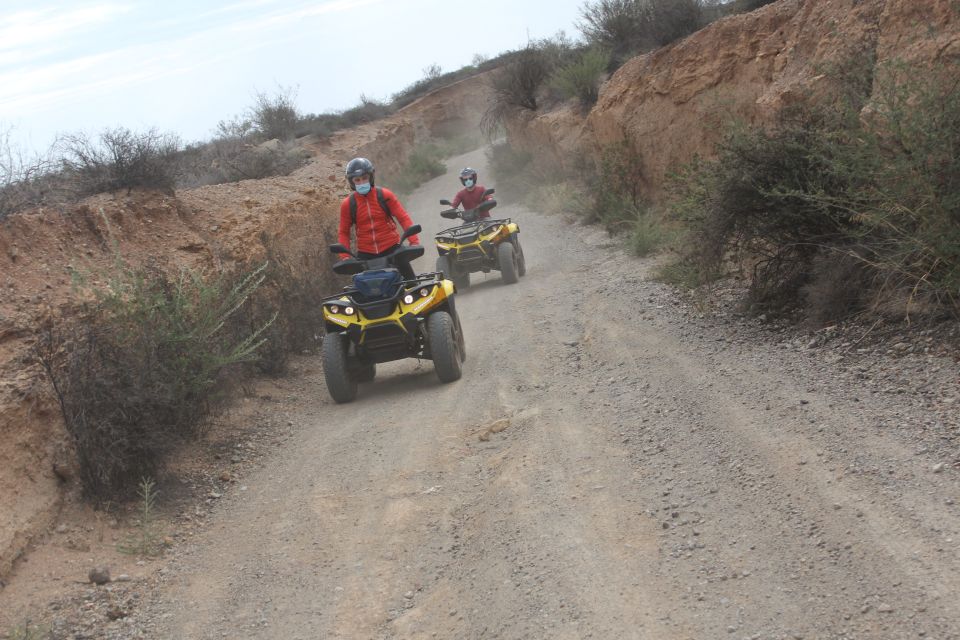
{"points": [[619, 461]]}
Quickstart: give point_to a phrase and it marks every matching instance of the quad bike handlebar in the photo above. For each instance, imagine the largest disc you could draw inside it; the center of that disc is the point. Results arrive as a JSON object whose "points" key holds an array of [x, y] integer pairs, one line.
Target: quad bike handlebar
{"points": [[469, 215], [401, 255]]}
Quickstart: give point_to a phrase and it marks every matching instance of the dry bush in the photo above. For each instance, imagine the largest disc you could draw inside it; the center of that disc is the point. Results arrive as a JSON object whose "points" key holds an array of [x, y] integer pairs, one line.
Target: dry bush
{"points": [[292, 291], [581, 79], [743, 6], [233, 159], [520, 84], [137, 374], [120, 159], [628, 27], [275, 116], [515, 88], [838, 287]]}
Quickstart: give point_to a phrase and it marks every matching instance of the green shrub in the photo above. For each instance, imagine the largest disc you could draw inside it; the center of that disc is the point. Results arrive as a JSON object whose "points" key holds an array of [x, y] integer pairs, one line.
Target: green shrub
{"points": [[423, 163], [582, 78], [136, 375], [617, 186], [880, 186], [146, 540], [120, 159], [648, 234], [29, 631], [565, 198]]}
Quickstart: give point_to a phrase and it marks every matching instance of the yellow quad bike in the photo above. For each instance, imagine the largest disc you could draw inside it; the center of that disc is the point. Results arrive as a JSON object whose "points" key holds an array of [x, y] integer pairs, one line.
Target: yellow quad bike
{"points": [[382, 317], [481, 244]]}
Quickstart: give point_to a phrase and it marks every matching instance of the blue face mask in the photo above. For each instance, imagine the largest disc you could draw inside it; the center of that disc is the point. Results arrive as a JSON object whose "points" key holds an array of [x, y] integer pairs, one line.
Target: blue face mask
{"points": [[468, 183], [363, 189]]}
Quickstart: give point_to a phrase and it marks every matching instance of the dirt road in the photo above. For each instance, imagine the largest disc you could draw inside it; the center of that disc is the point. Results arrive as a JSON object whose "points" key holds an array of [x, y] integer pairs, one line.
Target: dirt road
{"points": [[663, 475]]}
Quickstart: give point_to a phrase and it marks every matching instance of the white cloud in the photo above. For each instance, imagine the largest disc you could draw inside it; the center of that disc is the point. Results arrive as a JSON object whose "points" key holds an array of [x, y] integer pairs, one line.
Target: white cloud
{"points": [[26, 30], [23, 88]]}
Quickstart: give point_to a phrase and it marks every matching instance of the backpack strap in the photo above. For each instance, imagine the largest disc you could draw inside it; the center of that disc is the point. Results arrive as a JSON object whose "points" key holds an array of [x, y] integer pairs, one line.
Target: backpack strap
{"points": [[380, 198]]}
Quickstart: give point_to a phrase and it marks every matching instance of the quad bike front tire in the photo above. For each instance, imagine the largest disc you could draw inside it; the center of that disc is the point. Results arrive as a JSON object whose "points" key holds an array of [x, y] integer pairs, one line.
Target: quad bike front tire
{"points": [[509, 267], [460, 280], [444, 346], [522, 262], [341, 383]]}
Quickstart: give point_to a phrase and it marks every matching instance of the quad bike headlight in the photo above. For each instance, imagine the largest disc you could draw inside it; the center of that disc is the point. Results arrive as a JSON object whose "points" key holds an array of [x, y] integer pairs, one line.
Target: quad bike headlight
{"points": [[348, 310], [424, 292], [408, 299], [334, 308]]}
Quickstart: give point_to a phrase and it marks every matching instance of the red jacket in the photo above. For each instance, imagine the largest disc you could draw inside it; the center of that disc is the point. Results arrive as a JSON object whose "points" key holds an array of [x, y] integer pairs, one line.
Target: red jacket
{"points": [[471, 199], [376, 231]]}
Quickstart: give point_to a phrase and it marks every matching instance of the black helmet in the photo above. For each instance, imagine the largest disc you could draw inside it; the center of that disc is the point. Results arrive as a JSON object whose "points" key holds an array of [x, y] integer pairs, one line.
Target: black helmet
{"points": [[468, 173], [356, 168]]}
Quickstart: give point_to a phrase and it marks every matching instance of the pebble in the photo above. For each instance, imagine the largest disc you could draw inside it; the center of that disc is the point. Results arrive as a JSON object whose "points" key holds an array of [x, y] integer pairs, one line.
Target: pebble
{"points": [[940, 466], [99, 575]]}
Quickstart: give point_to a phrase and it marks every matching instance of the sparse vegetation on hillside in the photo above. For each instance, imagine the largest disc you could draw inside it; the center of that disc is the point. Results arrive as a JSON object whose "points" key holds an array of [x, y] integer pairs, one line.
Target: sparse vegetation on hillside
{"points": [[521, 84], [25, 180], [120, 159], [609, 192], [828, 192], [628, 27]]}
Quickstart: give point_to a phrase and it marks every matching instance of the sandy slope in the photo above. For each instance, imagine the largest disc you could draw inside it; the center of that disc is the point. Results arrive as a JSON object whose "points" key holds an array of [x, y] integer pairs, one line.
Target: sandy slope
{"points": [[663, 475]]}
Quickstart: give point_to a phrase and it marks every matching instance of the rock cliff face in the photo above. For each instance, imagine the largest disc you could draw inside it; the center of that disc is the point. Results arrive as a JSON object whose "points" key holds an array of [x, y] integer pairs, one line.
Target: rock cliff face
{"points": [[210, 228], [672, 103]]}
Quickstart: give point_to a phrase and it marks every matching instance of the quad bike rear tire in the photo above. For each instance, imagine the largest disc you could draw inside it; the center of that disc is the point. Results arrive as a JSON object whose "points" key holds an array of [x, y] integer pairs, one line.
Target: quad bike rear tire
{"points": [[367, 372], [444, 346], [341, 383], [509, 267]]}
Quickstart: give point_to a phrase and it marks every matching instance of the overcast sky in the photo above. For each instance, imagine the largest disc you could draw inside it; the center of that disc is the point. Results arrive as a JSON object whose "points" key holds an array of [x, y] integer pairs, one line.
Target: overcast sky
{"points": [[184, 65]]}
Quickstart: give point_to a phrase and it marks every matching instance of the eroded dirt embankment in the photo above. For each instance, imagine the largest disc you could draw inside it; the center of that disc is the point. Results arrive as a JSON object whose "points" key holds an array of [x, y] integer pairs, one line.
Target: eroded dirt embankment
{"points": [[209, 228], [672, 103]]}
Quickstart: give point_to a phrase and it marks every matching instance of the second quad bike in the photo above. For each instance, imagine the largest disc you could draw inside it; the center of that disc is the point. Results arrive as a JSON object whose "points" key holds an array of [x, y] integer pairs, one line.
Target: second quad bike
{"points": [[480, 244], [382, 317]]}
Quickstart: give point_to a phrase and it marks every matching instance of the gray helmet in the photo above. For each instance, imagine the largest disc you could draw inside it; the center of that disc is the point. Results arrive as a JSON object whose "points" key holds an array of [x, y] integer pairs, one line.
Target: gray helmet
{"points": [[356, 168], [467, 172]]}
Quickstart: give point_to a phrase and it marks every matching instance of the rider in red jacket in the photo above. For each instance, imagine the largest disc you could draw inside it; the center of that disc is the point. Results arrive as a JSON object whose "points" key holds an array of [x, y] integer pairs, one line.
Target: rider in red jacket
{"points": [[472, 193], [376, 229]]}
